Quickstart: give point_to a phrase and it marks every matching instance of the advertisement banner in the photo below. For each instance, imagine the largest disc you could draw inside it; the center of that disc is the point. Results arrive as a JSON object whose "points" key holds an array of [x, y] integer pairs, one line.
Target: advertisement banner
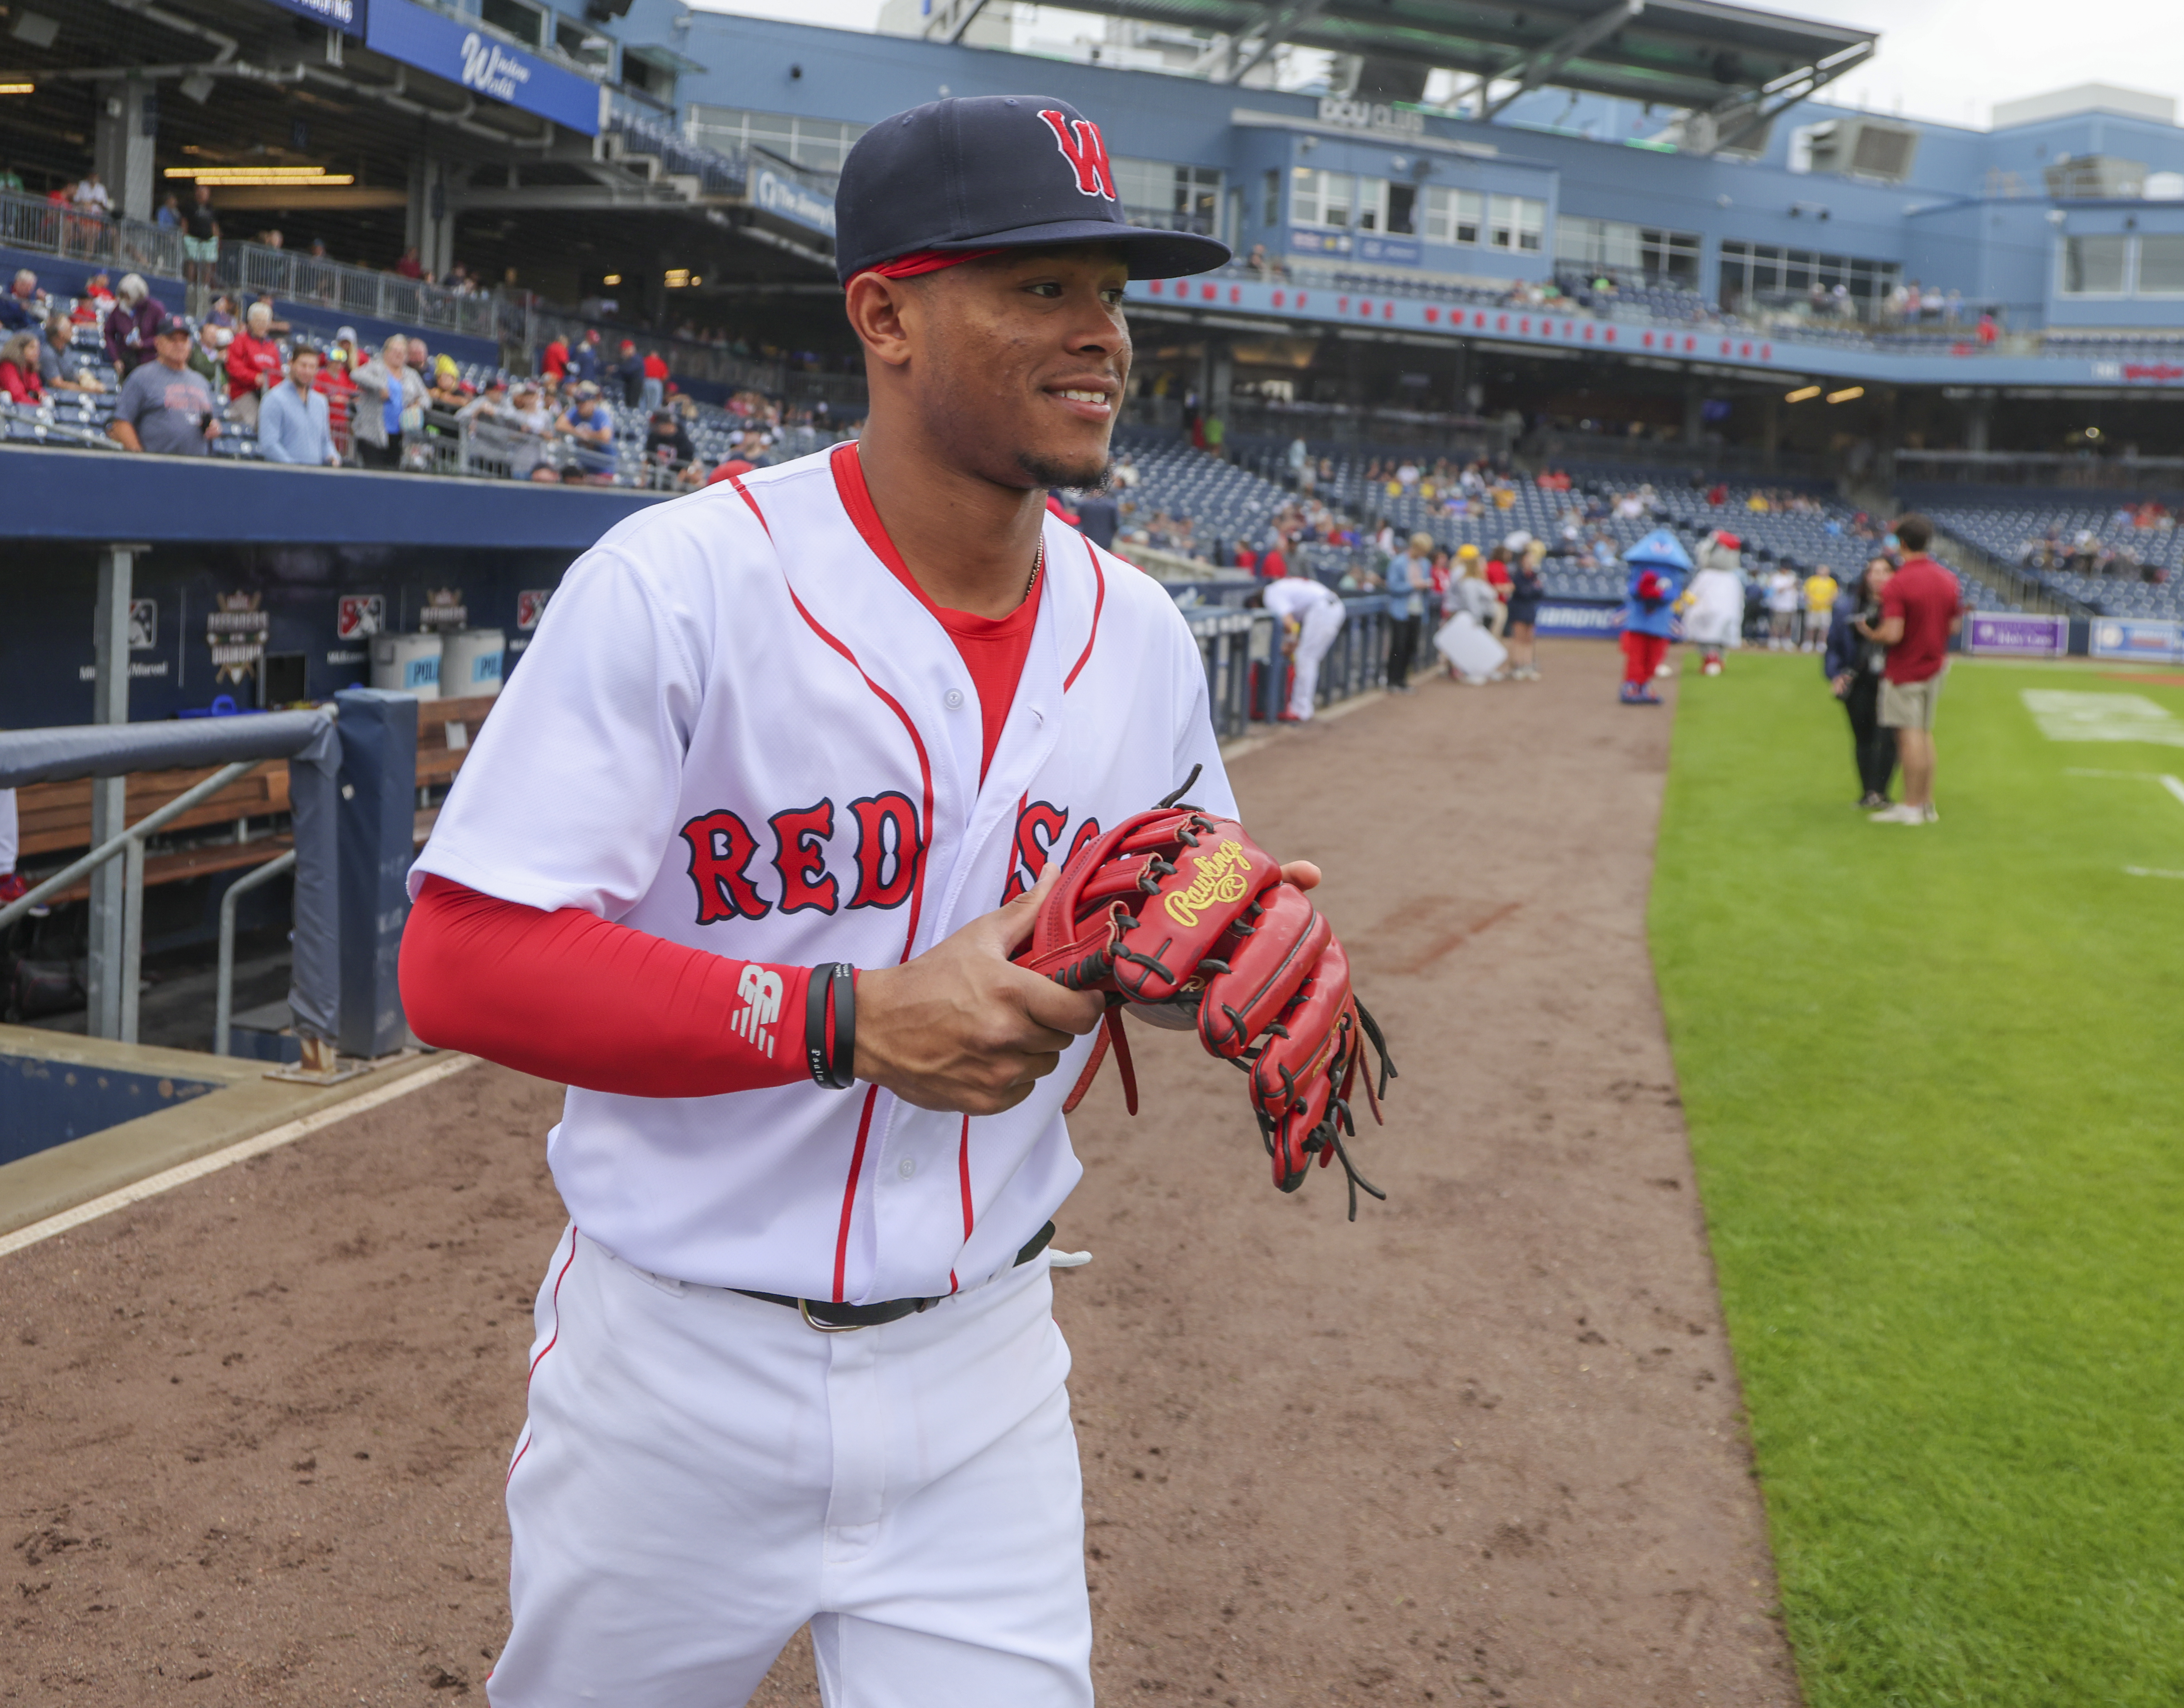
{"points": [[1393, 251], [787, 199], [2152, 639], [432, 42], [1310, 240], [348, 16], [1600, 621], [2007, 635]]}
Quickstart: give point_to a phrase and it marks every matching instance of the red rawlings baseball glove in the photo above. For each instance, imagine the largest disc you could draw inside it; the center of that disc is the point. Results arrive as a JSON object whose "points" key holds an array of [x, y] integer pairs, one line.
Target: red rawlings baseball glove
{"points": [[1179, 916]]}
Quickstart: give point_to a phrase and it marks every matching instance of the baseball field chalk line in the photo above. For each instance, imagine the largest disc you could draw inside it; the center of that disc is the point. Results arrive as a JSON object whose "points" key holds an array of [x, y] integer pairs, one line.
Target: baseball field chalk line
{"points": [[241, 1152], [2149, 872]]}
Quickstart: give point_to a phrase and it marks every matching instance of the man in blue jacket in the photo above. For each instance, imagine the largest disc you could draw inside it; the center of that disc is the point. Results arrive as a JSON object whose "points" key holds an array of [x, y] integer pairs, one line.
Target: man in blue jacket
{"points": [[1659, 566]]}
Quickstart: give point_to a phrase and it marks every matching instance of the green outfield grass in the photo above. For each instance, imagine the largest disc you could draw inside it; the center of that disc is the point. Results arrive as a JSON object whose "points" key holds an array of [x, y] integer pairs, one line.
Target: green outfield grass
{"points": [[1935, 1078]]}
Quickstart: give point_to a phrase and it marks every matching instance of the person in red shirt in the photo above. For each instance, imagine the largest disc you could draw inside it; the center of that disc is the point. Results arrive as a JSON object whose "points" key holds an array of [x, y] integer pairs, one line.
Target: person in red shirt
{"points": [[254, 365], [1921, 608], [655, 379], [1273, 566], [339, 388], [553, 360], [18, 369]]}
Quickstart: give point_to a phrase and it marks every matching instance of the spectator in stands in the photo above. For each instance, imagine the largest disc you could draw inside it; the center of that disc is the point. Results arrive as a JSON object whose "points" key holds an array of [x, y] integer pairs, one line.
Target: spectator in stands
{"points": [[447, 393], [590, 425], [95, 303], [254, 365], [18, 369], [656, 374], [91, 197], [409, 267], [209, 356], [390, 405], [293, 423], [222, 313], [337, 380], [200, 238], [1920, 608], [10, 179], [165, 408], [170, 216], [420, 361], [584, 359], [59, 367], [553, 360], [132, 329], [665, 443], [489, 405], [26, 306], [1853, 663], [629, 374]]}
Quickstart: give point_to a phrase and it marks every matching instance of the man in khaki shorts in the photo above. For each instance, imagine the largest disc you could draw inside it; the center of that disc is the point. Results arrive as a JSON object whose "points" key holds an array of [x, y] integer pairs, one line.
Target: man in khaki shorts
{"points": [[1920, 608]]}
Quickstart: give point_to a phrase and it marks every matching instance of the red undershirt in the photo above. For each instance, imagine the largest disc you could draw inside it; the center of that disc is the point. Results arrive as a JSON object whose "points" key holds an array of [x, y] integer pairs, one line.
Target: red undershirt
{"points": [[993, 649], [569, 996]]}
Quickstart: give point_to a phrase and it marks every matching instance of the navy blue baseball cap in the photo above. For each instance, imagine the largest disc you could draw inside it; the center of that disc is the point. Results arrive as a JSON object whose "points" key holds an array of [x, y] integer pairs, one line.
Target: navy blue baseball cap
{"points": [[984, 172]]}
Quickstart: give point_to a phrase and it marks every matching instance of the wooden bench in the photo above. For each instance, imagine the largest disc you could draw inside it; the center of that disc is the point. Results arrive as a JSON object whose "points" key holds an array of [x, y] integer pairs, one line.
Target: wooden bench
{"points": [[56, 817]]}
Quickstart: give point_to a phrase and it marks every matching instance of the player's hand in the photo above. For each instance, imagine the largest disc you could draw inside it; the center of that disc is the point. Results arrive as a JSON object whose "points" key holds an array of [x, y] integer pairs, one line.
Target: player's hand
{"points": [[962, 1028]]}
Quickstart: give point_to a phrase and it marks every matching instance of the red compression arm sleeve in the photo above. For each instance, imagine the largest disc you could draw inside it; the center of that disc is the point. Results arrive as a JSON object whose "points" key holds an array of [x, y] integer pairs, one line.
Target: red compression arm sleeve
{"points": [[569, 996]]}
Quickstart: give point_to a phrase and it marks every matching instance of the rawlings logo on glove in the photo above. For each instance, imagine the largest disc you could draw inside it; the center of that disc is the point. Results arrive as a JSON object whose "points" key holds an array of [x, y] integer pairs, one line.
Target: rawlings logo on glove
{"points": [[1181, 917]]}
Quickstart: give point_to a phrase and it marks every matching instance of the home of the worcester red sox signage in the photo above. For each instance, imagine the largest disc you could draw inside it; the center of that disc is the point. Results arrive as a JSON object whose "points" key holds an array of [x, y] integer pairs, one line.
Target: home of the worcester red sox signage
{"points": [[482, 63]]}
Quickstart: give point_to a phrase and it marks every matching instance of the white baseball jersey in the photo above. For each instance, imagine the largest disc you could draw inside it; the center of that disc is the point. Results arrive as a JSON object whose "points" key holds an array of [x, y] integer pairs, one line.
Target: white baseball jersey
{"points": [[738, 728], [1293, 595]]}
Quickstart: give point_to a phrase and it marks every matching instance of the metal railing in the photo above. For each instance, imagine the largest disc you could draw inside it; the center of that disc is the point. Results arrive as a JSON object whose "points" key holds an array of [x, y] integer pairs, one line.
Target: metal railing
{"points": [[257, 270], [223, 990], [55, 228], [128, 847], [110, 753]]}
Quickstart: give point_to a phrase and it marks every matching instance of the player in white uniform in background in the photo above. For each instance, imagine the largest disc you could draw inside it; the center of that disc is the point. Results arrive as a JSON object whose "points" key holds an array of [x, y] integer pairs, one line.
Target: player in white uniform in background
{"points": [[795, 1357], [12, 884], [1314, 611]]}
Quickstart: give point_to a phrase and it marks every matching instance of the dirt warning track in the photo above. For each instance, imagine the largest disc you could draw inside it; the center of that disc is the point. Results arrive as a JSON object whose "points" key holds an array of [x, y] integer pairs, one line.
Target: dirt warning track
{"points": [[1481, 1446]]}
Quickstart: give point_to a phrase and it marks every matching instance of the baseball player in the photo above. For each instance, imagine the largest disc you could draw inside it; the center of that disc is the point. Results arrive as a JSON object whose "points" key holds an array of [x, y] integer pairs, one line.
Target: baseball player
{"points": [[1312, 613], [731, 859]]}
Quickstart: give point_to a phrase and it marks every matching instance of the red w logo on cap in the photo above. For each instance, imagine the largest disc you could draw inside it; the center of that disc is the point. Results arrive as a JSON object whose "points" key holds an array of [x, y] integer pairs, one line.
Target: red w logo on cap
{"points": [[1084, 151]]}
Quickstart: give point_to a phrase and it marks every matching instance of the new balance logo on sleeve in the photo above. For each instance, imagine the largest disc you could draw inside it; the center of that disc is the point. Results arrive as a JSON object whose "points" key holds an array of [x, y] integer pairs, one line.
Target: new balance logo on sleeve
{"points": [[761, 990]]}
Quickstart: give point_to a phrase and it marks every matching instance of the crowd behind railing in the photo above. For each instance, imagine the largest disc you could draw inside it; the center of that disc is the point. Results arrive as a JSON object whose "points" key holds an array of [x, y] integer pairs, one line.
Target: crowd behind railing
{"points": [[112, 369]]}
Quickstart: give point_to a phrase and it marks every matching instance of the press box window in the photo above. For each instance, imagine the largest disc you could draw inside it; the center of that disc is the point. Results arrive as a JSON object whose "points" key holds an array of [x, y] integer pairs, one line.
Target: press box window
{"points": [[1319, 199], [1451, 216], [1516, 222], [1273, 214], [2094, 267], [2161, 265], [527, 23]]}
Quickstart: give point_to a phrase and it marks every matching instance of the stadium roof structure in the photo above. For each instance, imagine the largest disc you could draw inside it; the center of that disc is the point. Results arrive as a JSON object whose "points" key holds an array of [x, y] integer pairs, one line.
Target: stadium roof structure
{"points": [[1733, 68]]}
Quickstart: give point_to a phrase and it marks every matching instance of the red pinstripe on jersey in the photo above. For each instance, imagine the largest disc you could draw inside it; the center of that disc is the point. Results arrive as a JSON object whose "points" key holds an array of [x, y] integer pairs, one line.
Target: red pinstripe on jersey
{"points": [[1099, 602], [917, 894]]}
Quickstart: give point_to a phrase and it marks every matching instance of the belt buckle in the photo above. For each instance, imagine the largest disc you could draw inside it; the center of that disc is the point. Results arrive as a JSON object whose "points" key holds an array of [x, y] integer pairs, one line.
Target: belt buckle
{"points": [[804, 1310]]}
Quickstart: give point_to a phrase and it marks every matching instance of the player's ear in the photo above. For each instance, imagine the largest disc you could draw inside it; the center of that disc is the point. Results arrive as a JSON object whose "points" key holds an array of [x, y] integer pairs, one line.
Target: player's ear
{"points": [[883, 313]]}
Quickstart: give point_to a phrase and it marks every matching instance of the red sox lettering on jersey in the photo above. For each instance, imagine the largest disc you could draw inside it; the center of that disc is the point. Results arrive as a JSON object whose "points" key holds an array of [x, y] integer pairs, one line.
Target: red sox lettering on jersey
{"points": [[737, 728]]}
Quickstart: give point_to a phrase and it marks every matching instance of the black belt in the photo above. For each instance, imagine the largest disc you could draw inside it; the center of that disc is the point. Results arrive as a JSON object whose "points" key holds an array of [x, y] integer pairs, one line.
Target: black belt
{"points": [[830, 1317]]}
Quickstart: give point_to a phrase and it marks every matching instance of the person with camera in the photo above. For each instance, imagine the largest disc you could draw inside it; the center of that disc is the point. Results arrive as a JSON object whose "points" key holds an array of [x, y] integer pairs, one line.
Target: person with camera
{"points": [[1853, 663]]}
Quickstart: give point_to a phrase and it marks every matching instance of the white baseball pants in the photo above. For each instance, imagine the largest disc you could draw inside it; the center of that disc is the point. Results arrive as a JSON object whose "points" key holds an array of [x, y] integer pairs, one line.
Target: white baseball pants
{"points": [[701, 1473], [1316, 633], [10, 840]]}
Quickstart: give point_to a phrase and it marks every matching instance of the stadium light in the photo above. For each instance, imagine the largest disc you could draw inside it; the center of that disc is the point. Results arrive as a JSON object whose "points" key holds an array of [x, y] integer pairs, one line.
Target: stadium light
{"points": [[677, 277], [1799, 395], [611, 279], [1849, 395], [261, 176], [19, 88]]}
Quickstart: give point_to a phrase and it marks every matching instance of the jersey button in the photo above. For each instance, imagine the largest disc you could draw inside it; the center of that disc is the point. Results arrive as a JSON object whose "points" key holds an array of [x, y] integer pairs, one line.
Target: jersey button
{"points": [[952, 700], [906, 1167]]}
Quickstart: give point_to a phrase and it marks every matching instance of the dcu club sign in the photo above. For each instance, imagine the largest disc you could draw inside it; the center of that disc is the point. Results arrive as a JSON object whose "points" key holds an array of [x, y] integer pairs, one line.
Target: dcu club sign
{"points": [[473, 60]]}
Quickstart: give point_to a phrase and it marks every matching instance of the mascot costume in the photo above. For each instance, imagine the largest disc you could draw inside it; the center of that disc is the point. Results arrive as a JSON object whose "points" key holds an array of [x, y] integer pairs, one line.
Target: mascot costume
{"points": [[1658, 566], [1713, 605]]}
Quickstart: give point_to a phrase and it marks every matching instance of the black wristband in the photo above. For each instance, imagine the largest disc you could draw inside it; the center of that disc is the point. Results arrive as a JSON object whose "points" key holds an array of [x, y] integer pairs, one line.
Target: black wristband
{"points": [[834, 1069]]}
